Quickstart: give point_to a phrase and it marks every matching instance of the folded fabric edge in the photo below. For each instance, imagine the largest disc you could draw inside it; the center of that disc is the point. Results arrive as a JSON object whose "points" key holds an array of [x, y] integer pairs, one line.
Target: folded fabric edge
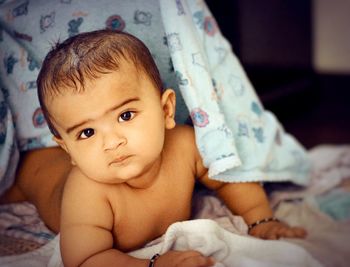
{"points": [[260, 176], [222, 165]]}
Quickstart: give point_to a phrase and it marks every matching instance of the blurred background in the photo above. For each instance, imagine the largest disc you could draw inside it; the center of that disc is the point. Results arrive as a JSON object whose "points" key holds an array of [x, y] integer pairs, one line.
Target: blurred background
{"points": [[297, 55]]}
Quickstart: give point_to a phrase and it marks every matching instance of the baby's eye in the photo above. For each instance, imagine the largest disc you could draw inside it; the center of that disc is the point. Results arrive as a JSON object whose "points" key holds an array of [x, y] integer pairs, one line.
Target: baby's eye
{"points": [[86, 133], [126, 116]]}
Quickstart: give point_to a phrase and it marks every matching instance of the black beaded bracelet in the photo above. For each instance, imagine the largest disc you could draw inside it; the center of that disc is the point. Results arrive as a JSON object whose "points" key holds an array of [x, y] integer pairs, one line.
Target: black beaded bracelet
{"points": [[153, 260], [270, 219]]}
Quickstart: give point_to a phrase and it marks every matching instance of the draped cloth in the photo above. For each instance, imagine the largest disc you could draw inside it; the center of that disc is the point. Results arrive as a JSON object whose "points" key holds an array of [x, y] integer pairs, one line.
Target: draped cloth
{"points": [[238, 139]]}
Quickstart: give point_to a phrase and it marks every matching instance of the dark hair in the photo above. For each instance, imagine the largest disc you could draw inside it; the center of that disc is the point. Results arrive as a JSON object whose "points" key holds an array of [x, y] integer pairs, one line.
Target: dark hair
{"points": [[87, 56]]}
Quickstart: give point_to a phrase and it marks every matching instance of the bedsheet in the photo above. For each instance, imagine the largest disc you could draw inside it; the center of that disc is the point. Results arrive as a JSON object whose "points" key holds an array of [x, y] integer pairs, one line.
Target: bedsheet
{"points": [[215, 231]]}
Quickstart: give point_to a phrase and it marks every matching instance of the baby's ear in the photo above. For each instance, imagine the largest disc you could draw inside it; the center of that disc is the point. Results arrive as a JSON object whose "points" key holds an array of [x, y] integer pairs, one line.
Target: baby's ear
{"points": [[169, 106], [62, 144]]}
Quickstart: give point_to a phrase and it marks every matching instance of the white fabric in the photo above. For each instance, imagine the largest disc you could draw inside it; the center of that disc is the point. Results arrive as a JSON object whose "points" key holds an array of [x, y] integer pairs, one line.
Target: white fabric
{"points": [[327, 241], [206, 236], [330, 166]]}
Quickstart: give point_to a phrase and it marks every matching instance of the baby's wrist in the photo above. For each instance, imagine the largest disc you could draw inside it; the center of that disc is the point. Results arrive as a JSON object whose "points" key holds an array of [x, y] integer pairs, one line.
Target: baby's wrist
{"points": [[262, 221], [153, 260]]}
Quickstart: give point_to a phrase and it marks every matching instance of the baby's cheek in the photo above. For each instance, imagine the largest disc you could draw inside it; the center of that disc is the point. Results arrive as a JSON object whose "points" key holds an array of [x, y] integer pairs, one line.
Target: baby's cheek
{"points": [[153, 143]]}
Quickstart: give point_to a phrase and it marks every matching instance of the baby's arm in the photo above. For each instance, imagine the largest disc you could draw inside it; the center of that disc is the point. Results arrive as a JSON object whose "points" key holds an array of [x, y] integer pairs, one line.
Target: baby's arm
{"points": [[86, 227], [249, 201]]}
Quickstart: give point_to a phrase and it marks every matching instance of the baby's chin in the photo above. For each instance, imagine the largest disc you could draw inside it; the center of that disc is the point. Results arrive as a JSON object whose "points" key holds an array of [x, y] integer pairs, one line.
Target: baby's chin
{"points": [[117, 179], [113, 176], [109, 180]]}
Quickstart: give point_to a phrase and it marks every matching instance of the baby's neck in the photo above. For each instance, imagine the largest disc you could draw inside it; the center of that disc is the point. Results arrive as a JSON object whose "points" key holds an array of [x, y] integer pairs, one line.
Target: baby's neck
{"points": [[148, 177]]}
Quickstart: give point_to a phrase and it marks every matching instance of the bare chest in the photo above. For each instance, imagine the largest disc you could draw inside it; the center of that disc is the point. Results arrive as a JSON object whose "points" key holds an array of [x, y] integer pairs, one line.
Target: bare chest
{"points": [[144, 215]]}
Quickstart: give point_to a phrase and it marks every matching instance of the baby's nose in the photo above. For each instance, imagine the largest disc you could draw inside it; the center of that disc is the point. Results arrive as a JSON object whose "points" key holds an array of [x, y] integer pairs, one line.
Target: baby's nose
{"points": [[113, 141]]}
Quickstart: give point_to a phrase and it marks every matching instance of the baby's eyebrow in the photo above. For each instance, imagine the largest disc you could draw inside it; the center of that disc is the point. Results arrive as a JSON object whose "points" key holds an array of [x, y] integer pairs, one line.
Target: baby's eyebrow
{"points": [[119, 105]]}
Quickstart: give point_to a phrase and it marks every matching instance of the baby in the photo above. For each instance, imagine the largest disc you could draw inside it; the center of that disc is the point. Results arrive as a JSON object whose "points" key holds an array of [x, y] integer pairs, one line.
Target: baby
{"points": [[132, 169]]}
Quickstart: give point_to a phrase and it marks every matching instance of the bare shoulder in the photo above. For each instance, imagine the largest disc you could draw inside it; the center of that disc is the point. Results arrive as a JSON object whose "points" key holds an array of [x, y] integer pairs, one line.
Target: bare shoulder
{"points": [[182, 135], [87, 200], [80, 186], [182, 139], [77, 182], [87, 220]]}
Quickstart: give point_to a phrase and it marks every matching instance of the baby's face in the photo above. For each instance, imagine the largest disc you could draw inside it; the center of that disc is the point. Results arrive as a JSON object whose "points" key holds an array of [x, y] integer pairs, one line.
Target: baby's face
{"points": [[114, 131]]}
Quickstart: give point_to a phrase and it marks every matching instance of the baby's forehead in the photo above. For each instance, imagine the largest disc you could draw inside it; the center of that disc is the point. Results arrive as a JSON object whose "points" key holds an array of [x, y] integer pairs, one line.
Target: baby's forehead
{"points": [[127, 69], [130, 73]]}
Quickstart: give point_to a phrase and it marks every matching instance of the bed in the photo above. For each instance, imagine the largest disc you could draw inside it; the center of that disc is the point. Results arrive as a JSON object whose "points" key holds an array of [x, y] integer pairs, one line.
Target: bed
{"points": [[323, 208]]}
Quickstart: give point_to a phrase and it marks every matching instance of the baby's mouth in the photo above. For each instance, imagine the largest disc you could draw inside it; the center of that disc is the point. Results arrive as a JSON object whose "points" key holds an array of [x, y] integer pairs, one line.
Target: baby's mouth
{"points": [[119, 160]]}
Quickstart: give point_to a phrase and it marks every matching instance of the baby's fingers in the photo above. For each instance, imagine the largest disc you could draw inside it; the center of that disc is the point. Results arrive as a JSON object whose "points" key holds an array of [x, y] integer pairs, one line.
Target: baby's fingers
{"points": [[293, 232], [299, 232], [274, 233], [188, 258], [197, 261]]}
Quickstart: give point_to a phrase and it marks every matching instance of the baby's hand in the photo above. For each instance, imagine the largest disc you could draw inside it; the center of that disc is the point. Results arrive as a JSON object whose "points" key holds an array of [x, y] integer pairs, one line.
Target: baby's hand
{"points": [[188, 258], [275, 230]]}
